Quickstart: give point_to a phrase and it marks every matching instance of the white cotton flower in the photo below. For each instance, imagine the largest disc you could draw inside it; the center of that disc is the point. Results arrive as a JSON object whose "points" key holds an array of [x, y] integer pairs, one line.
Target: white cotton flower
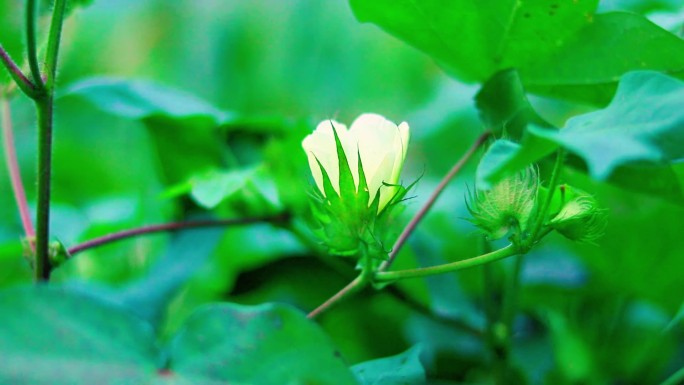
{"points": [[380, 144]]}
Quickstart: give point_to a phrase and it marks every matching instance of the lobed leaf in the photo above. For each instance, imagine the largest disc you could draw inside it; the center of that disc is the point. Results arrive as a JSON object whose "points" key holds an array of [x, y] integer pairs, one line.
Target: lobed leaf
{"points": [[583, 60]]}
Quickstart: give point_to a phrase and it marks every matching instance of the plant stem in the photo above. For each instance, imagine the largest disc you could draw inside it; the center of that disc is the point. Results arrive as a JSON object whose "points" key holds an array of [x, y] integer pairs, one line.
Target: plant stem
{"points": [[54, 39], [31, 46], [541, 215], [389, 276], [431, 200], [151, 229], [22, 81], [44, 102], [354, 286], [357, 284], [42, 262], [15, 172]]}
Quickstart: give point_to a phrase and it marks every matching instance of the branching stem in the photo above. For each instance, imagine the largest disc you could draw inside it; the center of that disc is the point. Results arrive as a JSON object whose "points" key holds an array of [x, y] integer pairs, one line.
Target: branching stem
{"points": [[20, 79]]}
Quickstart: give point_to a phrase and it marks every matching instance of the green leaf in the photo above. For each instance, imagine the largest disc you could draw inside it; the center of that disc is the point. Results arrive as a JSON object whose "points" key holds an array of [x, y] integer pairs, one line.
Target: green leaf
{"points": [[185, 129], [505, 157], [402, 369], [582, 60], [211, 188], [50, 336], [640, 6], [141, 99], [643, 123], [268, 344], [503, 105]]}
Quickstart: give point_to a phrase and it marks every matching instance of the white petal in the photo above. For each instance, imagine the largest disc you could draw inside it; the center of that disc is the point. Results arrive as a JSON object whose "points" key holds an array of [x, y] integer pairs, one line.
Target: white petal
{"points": [[375, 136], [321, 145], [401, 146]]}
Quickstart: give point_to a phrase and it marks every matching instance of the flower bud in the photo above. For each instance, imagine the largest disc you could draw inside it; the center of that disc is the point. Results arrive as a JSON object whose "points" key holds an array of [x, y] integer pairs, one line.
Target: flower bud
{"points": [[507, 207], [580, 219], [356, 171]]}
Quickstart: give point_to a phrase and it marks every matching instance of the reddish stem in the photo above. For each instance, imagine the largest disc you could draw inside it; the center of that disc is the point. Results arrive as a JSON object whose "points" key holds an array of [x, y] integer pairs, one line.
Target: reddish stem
{"points": [[15, 173], [435, 194], [109, 238]]}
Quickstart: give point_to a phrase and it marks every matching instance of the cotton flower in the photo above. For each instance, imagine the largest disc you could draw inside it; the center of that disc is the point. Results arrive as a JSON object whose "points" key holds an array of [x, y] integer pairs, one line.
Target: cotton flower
{"points": [[379, 144]]}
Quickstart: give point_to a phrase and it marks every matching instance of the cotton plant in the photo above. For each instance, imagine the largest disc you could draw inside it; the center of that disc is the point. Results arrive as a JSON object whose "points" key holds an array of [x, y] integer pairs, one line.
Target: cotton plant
{"points": [[357, 187]]}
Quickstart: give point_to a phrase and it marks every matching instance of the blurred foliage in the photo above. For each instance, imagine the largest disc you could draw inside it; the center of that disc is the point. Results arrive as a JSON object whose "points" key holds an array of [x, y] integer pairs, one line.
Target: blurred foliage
{"points": [[175, 110]]}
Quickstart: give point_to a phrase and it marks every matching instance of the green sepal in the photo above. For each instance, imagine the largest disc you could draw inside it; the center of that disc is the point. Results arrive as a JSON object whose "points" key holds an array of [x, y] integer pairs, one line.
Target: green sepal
{"points": [[362, 195], [346, 179], [330, 193]]}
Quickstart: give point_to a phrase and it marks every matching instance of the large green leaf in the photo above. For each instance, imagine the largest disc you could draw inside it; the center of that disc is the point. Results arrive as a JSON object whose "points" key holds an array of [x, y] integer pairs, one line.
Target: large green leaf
{"points": [[582, 59], [631, 143], [48, 336], [184, 129], [140, 99], [402, 369], [267, 345], [643, 123], [503, 105]]}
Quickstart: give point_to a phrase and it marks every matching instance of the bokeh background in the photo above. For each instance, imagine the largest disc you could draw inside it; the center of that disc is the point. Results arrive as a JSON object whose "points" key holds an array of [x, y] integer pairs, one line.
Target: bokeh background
{"points": [[605, 313]]}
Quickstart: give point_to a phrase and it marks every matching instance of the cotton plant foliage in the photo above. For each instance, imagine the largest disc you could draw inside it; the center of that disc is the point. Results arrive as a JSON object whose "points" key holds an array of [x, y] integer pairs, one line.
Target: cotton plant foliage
{"points": [[356, 172]]}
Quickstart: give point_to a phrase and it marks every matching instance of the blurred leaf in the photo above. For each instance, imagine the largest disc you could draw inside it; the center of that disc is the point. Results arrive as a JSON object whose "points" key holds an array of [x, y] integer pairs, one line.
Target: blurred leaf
{"points": [[185, 129], [52, 336], [503, 105], [402, 369], [49, 336], [141, 99], [644, 122], [640, 6], [14, 268], [505, 157], [11, 35], [268, 344], [210, 189], [148, 296], [574, 357], [71, 5], [628, 143], [582, 60]]}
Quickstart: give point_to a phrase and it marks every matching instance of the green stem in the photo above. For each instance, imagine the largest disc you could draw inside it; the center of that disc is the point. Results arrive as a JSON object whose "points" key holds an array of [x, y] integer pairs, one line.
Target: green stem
{"points": [[389, 276], [541, 214], [54, 38], [42, 262], [675, 379], [31, 46]]}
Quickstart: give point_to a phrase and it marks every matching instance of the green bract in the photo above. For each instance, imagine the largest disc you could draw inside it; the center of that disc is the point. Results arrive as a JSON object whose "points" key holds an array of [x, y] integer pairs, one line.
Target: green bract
{"points": [[507, 207], [356, 172]]}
